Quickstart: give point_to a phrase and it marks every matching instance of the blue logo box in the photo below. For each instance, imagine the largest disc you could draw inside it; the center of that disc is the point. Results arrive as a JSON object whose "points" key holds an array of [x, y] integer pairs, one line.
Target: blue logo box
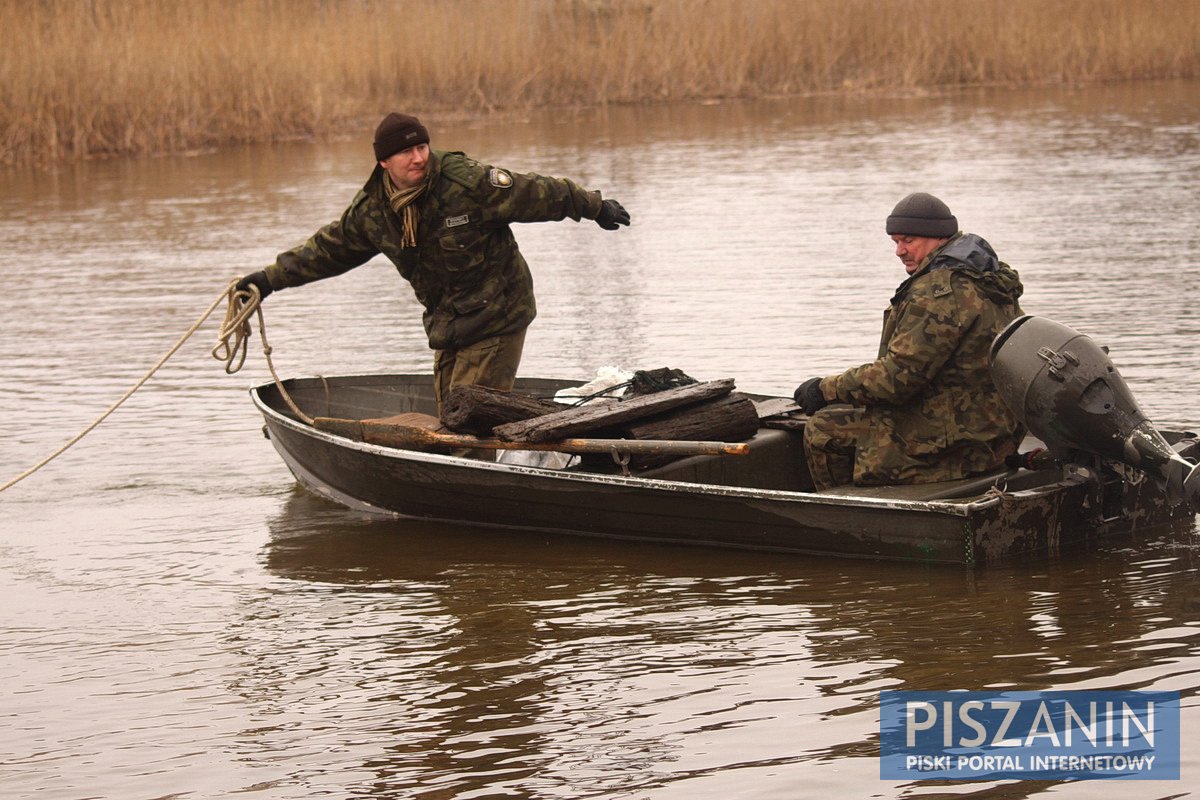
{"points": [[1051, 735]]}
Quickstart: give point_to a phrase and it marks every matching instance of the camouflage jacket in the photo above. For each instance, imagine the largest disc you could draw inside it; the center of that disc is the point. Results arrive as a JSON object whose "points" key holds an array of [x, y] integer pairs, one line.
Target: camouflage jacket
{"points": [[929, 395], [466, 269]]}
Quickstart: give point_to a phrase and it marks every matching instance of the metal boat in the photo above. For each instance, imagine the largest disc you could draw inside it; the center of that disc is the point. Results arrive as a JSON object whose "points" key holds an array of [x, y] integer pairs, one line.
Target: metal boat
{"points": [[762, 500]]}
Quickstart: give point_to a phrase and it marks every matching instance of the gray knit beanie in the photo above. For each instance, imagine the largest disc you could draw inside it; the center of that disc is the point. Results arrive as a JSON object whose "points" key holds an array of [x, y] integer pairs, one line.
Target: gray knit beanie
{"points": [[922, 214]]}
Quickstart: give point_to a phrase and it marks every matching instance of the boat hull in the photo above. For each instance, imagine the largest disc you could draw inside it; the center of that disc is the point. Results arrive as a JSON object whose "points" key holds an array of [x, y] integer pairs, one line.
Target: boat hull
{"points": [[966, 531]]}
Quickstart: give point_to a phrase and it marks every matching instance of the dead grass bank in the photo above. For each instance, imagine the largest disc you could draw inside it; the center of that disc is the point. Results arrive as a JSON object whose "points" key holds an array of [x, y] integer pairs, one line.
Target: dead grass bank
{"points": [[104, 77]]}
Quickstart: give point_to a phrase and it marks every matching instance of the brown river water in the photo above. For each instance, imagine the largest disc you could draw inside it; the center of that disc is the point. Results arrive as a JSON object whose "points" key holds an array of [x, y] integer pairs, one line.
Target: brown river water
{"points": [[179, 620]]}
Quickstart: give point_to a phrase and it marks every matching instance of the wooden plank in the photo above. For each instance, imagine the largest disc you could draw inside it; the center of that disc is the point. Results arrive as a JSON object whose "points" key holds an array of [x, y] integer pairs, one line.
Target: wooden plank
{"points": [[354, 429], [785, 423], [477, 409], [594, 417], [393, 434], [729, 419], [775, 407]]}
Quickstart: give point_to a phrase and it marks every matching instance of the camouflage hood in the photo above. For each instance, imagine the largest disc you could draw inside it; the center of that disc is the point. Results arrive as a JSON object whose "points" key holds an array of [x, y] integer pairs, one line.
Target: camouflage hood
{"points": [[972, 255]]}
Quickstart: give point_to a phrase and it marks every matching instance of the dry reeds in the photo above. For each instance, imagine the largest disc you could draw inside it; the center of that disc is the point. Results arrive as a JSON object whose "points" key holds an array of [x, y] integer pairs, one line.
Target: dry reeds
{"points": [[98, 77]]}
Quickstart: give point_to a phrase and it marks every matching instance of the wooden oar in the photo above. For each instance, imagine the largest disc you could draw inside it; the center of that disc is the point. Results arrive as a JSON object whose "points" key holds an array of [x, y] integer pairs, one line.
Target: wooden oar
{"points": [[398, 432]]}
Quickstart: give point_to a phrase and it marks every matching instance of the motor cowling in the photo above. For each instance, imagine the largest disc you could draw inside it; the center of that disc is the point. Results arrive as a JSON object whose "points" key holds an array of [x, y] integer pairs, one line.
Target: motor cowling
{"points": [[1068, 393]]}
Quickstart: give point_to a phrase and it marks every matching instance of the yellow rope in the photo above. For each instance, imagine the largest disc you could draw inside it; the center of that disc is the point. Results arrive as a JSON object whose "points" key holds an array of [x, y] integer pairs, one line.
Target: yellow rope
{"points": [[240, 305]]}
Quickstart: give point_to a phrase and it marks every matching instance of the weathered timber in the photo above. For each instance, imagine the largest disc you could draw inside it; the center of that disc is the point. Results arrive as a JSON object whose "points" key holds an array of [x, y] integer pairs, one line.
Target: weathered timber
{"points": [[729, 418], [781, 414], [776, 407], [414, 434], [593, 417], [785, 423], [357, 429], [478, 409]]}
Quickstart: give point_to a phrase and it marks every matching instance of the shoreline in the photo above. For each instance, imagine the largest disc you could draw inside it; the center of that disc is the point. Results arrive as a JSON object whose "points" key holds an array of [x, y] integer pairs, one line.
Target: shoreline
{"points": [[362, 125], [138, 77]]}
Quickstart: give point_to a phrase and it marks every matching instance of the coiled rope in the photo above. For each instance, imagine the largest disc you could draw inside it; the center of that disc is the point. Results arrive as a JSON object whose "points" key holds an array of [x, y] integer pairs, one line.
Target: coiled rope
{"points": [[231, 347], [234, 337]]}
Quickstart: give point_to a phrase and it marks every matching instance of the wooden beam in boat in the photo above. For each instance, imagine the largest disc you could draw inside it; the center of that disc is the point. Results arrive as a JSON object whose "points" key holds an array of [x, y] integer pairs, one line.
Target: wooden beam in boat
{"points": [[776, 407], [409, 432], [595, 417], [730, 418], [477, 409]]}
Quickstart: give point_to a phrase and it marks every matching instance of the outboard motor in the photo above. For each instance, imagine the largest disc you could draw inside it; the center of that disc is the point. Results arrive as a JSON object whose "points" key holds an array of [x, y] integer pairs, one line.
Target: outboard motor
{"points": [[1067, 392]]}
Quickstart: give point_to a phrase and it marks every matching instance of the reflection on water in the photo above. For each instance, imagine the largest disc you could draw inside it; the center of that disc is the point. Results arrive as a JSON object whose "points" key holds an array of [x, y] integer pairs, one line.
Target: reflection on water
{"points": [[179, 619], [575, 666]]}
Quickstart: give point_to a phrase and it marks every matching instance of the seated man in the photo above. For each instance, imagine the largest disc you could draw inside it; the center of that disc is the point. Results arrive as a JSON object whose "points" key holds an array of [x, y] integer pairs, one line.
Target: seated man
{"points": [[926, 409]]}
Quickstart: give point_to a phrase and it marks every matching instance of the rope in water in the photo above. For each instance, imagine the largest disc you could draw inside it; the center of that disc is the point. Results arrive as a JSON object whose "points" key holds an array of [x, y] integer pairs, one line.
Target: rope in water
{"points": [[231, 346]]}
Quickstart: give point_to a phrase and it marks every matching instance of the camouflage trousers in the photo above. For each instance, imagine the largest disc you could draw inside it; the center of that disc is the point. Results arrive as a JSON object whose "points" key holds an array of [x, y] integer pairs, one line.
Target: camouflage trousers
{"points": [[492, 362], [846, 444], [830, 439]]}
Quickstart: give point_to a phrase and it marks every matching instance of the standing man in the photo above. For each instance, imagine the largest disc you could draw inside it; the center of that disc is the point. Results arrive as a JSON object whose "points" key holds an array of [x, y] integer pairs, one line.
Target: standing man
{"points": [[926, 409], [444, 220]]}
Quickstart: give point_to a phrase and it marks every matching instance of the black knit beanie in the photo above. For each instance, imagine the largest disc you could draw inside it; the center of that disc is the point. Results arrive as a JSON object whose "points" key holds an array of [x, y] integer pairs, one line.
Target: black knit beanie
{"points": [[922, 214], [398, 132]]}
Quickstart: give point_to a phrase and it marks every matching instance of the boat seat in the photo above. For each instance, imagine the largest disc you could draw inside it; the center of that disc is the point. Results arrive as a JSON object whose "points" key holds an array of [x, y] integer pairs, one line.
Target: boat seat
{"points": [[937, 490]]}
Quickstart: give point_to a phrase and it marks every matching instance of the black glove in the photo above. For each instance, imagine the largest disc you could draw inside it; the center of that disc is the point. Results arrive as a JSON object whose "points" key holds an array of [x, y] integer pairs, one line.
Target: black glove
{"points": [[612, 215], [258, 279], [808, 396]]}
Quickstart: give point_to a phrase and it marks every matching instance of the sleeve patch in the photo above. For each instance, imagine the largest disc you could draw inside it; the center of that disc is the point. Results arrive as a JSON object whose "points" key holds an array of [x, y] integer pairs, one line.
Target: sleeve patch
{"points": [[499, 178]]}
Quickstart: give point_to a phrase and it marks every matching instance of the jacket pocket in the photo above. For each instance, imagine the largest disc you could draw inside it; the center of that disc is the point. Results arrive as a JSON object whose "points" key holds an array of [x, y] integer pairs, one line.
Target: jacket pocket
{"points": [[478, 313], [462, 249]]}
